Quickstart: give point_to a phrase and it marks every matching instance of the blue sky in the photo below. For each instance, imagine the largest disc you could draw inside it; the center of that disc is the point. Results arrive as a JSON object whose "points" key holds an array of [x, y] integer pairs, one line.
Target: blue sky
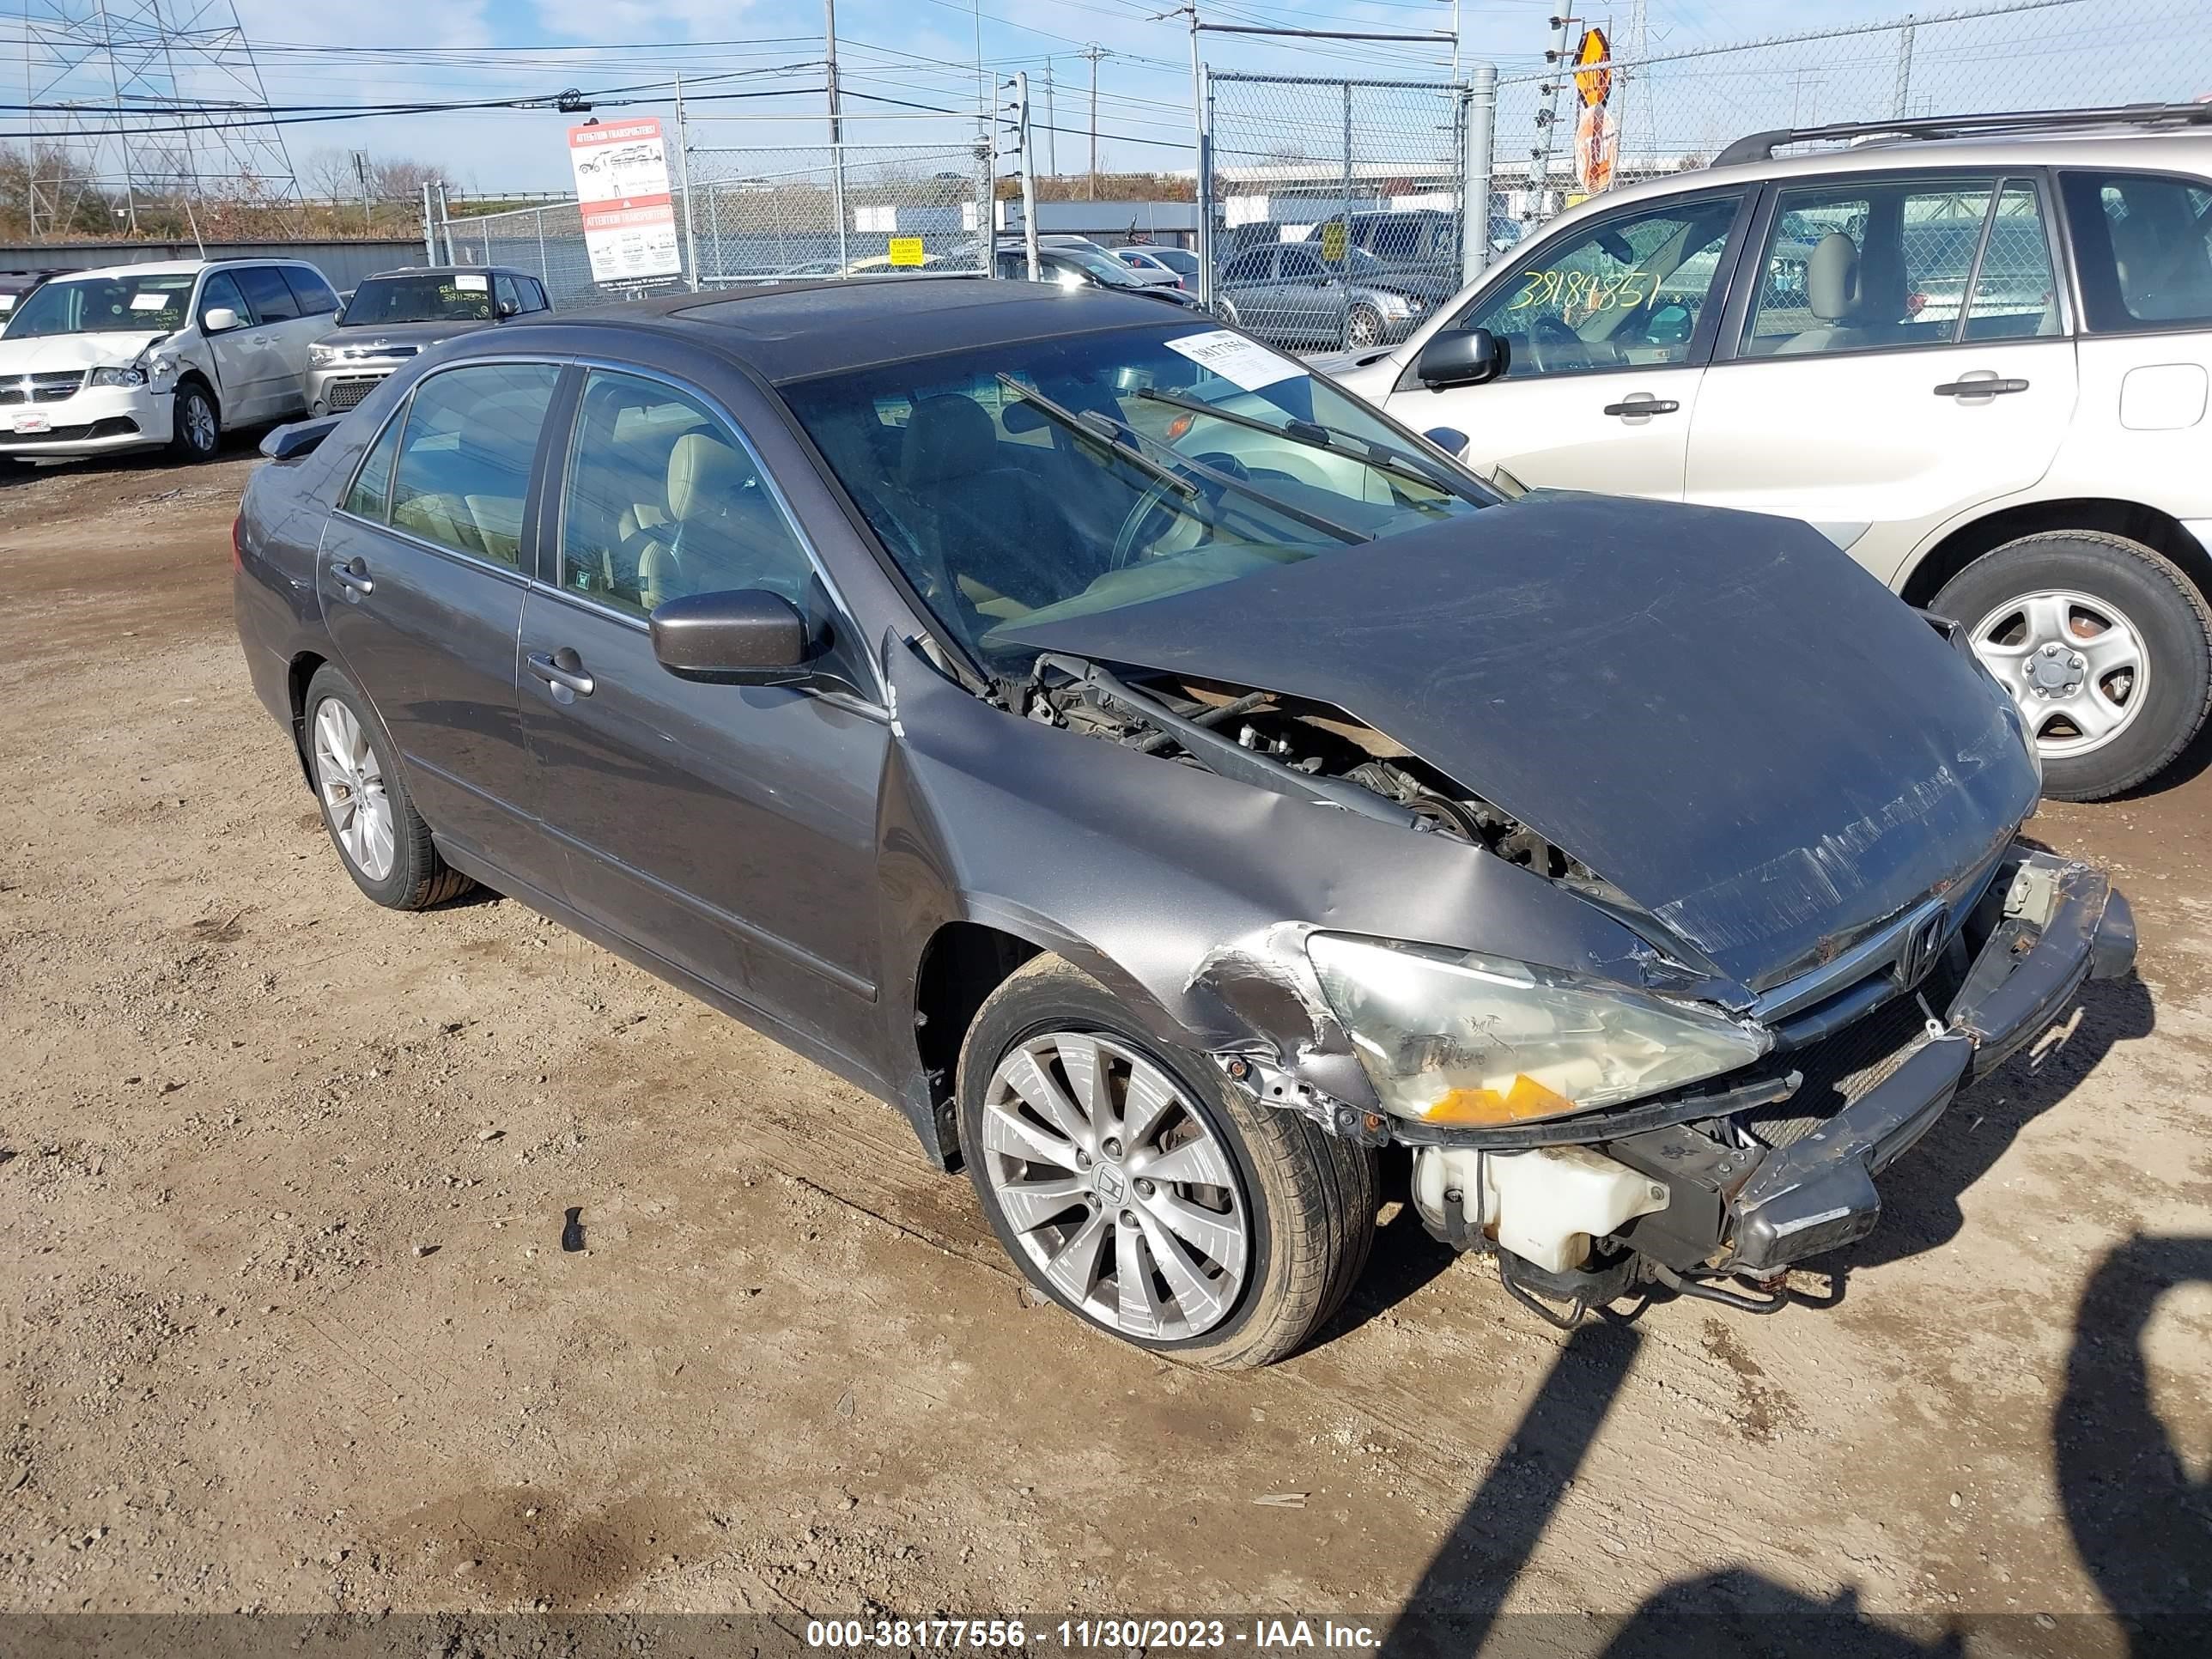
{"points": [[925, 51]]}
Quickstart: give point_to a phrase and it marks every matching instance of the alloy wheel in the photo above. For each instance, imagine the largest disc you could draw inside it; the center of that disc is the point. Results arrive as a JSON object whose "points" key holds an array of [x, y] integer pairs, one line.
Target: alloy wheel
{"points": [[1364, 328], [1117, 1191], [199, 424], [2074, 664], [350, 779]]}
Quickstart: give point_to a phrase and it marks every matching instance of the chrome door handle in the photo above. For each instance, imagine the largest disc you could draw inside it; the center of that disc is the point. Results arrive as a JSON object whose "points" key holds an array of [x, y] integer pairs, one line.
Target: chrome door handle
{"points": [[1991, 387], [1643, 406], [561, 675], [354, 577]]}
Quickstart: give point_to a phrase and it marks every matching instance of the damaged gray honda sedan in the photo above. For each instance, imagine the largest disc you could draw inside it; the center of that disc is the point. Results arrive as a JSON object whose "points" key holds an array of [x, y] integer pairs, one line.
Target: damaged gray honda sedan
{"points": [[1169, 782]]}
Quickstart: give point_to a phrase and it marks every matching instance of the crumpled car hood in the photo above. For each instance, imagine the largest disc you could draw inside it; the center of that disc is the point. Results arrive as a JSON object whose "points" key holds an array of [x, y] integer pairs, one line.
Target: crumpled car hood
{"points": [[47, 352], [1719, 711]]}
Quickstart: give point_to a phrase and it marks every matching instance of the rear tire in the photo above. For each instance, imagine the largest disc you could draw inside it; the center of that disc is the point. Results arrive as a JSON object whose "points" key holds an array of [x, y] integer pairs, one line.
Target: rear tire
{"points": [[196, 424], [2080, 586], [1305, 1201], [381, 839]]}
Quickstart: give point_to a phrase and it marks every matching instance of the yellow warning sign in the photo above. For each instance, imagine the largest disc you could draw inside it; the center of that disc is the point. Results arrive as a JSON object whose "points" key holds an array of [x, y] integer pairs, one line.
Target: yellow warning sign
{"points": [[1595, 85], [907, 251], [1333, 239]]}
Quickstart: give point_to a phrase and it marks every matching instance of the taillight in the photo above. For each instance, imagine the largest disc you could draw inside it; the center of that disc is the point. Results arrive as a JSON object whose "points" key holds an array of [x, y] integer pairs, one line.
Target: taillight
{"points": [[238, 543]]}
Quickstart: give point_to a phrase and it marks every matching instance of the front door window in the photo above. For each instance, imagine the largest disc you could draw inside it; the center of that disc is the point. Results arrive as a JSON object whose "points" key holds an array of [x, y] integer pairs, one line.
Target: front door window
{"points": [[1626, 292]]}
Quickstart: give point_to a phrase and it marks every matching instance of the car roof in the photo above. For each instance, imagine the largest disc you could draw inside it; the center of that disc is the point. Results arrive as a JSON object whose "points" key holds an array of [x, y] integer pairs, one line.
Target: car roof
{"points": [[790, 331], [448, 271], [2188, 152]]}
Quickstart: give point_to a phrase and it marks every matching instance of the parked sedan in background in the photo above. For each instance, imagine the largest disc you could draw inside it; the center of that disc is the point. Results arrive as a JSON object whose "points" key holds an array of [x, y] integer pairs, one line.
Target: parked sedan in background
{"points": [[396, 314], [1170, 783], [1149, 260], [1289, 295], [1081, 267]]}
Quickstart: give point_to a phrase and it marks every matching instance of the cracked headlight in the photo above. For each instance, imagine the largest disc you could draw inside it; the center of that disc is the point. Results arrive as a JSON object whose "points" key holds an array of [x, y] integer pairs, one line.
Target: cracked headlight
{"points": [[1455, 1037], [132, 376]]}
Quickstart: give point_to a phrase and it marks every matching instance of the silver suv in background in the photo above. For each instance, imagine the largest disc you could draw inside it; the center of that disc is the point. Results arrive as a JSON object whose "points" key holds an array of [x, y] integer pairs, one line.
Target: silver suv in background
{"points": [[398, 314], [1975, 351]]}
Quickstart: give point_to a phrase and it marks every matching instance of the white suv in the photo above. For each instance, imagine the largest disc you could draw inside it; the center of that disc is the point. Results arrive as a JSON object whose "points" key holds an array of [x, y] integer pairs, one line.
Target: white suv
{"points": [[1974, 352], [137, 356]]}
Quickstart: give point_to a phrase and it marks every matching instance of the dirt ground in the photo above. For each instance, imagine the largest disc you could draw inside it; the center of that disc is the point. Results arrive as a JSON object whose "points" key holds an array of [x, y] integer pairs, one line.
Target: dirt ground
{"points": [[289, 1323]]}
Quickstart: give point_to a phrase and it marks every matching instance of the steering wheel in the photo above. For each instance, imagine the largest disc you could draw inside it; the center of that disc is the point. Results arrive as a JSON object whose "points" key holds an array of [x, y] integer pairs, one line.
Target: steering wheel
{"points": [[1553, 346], [1137, 530]]}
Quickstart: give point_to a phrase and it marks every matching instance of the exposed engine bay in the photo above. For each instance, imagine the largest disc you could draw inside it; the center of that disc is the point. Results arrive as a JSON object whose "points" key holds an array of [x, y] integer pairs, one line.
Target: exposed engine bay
{"points": [[1292, 746]]}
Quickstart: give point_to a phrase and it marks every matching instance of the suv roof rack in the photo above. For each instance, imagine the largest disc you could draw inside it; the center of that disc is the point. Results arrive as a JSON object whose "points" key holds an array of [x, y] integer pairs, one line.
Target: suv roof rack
{"points": [[1761, 146]]}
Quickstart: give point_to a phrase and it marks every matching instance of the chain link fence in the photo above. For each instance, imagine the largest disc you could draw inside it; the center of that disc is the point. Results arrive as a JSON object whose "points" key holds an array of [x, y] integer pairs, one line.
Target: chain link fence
{"points": [[851, 210], [1673, 110], [758, 213], [1335, 205]]}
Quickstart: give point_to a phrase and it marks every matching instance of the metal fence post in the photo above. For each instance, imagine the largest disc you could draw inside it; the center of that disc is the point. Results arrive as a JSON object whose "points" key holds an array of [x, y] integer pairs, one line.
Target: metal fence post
{"points": [[429, 229], [544, 270], [1029, 174], [1344, 217], [1479, 134], [1201, 92], [986, 179], [683, 183], [1904, 69]]}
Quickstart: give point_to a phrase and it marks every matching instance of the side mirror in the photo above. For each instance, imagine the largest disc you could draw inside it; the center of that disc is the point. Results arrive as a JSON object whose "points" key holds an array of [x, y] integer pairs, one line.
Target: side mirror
{"points": [[1460, 356], [507, 309], [218, 319], [746, 637], [1449, 439]]}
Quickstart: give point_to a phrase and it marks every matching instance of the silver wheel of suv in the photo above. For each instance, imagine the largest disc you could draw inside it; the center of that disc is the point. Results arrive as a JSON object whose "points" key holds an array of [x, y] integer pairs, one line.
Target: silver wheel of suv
{"points": [[1113, 1187], [351, 780], [2074, 663]]}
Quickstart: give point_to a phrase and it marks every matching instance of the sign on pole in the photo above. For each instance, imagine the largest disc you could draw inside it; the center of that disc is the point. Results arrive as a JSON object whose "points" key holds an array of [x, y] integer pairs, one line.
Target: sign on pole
{"points": [[622, 191]]}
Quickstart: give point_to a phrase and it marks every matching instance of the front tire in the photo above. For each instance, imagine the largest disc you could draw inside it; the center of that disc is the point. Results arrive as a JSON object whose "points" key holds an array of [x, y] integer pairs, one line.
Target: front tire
{"points": [[1362, 327], [381, 839], [1135, 1188], [196, 424], [2104, 644]]}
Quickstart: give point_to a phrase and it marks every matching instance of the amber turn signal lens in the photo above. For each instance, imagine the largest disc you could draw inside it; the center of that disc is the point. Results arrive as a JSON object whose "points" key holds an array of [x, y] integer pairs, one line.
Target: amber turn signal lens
{"points": [[1525, 1100]]}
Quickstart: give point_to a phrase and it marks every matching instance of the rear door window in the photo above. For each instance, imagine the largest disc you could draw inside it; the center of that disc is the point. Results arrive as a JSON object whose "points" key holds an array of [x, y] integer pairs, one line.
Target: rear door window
{"points": [[265, 286], [2144, 246], [316, 297], [465, 457]]}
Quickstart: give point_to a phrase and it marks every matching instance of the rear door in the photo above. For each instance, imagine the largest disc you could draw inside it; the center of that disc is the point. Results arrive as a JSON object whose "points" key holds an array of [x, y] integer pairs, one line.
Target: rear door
{"points": [[1606, 326], [422, 588], [1899, 353], [319, 306], [728, 831]]}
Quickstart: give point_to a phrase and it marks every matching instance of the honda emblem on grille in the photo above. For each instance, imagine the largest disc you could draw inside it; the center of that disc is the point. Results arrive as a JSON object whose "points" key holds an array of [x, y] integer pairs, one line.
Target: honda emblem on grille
{"points": [[1922, 946]]}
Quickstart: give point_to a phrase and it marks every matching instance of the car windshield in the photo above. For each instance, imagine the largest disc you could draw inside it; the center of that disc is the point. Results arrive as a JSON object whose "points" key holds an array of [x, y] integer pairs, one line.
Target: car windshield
{"points": [[431, 297], [106, 305], [1030, 481]]}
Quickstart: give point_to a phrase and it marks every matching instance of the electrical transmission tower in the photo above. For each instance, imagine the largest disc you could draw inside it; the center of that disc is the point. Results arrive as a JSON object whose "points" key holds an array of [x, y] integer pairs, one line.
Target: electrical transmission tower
{"points": [[145, 113]]}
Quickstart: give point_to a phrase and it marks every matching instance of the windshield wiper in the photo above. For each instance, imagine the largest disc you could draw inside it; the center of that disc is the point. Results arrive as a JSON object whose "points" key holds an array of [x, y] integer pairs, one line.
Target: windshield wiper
{"points": [[1101, 428], [1384, 458], [1084, 431]]}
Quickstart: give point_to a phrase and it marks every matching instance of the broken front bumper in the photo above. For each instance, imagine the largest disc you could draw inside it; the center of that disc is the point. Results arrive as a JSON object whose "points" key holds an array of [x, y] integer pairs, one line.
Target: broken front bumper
{"points": [[2055, 924]]}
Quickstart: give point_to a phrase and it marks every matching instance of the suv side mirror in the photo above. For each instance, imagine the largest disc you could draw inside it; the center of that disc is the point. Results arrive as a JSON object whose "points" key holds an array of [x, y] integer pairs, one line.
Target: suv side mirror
{"points": [[218, 319], [507, 309], [1460, 356], [745, 637]]}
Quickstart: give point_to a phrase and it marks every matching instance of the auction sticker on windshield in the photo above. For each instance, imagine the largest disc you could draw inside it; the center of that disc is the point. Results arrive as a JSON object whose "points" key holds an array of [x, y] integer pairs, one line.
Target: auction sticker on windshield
{"points": [[150, 302], [1234, 358], [472, 284]]}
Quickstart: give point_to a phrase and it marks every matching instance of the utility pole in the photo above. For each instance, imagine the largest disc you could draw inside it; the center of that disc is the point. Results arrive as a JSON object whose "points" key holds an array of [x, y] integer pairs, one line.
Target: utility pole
{"points": [[1094, 52], [836, 126], [1028, 173], [683, 184], [1051, 121], [1548, 117]]}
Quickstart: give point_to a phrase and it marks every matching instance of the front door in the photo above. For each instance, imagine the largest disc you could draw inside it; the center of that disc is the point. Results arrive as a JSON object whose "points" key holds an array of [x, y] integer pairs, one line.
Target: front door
{"points": [[422, 590], [729, 830], [239, 354], [1903, 357], [1606, 326]]}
